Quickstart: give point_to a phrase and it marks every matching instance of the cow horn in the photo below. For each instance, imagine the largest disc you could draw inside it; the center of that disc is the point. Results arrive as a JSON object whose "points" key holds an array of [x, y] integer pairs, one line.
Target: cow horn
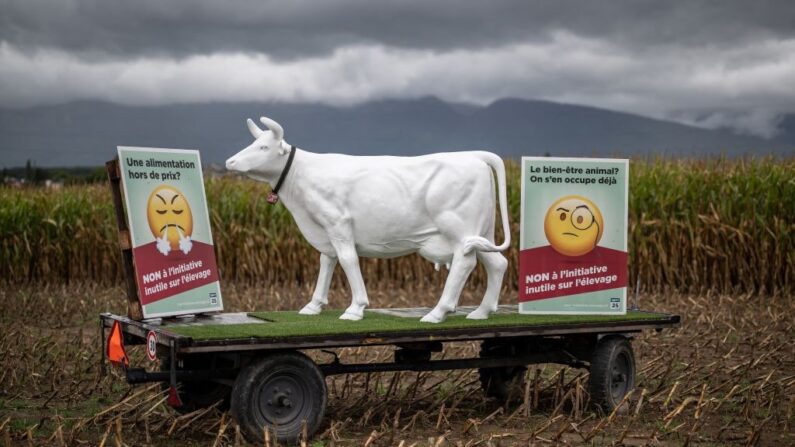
{"points": [[256, 132], [276, 128]]}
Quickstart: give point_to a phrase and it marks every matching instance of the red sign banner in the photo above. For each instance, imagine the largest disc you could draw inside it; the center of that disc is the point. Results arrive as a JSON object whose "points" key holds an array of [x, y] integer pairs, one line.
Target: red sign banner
{"points": [[161, 276], [545, 273]]}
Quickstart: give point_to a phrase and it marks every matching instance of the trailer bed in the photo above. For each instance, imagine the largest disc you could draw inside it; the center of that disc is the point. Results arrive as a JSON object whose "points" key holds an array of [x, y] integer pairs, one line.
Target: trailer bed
{"points": [[252, 364], [289, 330]]}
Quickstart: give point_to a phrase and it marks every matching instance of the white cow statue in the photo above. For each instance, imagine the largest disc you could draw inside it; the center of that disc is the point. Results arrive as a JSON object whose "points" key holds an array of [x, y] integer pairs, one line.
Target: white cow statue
{"points": [[441, 206]]}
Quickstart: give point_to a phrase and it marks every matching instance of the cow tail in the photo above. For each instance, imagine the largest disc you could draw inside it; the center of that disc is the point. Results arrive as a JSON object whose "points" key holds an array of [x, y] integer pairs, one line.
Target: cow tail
{"points": [[480, 243]]}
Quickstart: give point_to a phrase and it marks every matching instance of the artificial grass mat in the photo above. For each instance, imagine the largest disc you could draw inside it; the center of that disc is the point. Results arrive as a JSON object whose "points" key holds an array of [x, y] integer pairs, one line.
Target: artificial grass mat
{"points": [[291, 324]]}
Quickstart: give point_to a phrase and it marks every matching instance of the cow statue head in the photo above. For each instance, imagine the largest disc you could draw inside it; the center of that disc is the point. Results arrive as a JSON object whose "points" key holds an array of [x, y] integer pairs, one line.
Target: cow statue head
{"points": [[263, 159]]}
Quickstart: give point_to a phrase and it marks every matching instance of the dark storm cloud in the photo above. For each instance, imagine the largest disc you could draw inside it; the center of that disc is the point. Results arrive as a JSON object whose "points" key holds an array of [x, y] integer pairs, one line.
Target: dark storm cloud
{"points": [[307, 28], [717, 63]]}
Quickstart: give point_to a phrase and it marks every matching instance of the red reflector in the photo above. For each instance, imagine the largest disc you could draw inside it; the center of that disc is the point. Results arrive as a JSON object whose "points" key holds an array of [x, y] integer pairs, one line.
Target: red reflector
{"points": [[114, 349], [173, 397]]}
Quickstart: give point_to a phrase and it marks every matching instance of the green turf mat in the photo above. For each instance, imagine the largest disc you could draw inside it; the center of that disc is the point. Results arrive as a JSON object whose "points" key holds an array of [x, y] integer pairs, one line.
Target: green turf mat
{"points": [[291, 324]]}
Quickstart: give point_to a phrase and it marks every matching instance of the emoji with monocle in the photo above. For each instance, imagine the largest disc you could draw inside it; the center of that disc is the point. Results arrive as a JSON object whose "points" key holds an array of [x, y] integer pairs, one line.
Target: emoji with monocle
{"points": [[573, 225], [170, 219]]}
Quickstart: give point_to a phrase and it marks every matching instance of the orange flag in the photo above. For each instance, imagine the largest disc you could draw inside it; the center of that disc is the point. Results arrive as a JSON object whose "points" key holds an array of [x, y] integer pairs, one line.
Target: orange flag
{"points": [[114, 349]]}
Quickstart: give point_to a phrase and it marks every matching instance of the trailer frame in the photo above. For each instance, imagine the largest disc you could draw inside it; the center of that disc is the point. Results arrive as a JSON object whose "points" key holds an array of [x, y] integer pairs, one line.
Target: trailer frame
{"points": [[504, 354]]}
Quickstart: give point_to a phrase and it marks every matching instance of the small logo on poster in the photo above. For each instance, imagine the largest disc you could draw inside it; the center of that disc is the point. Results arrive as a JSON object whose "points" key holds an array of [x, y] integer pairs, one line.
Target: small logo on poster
{"points": [[213, 298]]}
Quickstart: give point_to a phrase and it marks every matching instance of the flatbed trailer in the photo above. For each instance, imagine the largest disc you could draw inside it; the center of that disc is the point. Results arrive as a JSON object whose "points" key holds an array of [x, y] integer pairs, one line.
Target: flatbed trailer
{"points": [[251, 362]]}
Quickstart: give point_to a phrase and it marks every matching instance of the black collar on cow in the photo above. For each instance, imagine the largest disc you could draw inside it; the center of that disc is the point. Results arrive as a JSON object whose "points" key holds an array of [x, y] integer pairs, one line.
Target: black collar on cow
{"points": [[273, 197]]}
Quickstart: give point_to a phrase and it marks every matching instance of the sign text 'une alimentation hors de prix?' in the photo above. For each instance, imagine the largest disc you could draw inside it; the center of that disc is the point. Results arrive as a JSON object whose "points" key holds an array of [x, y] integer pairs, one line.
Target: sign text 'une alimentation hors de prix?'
{"points": [[175, 266]]}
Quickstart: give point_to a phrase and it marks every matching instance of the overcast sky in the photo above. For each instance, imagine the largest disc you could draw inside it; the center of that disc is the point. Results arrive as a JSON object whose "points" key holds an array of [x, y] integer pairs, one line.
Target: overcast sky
{"points": [[717, 63]]}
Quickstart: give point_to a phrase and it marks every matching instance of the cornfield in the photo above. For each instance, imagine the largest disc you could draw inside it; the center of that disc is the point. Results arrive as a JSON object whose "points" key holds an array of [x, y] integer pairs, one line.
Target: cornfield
{"points": [[721, 225]]}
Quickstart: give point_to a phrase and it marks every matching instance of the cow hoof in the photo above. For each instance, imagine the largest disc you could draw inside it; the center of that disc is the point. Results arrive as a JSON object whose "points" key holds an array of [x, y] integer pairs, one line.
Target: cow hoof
{"points": [[431, 318], [478, 314], [353, 315], [310, 309]]}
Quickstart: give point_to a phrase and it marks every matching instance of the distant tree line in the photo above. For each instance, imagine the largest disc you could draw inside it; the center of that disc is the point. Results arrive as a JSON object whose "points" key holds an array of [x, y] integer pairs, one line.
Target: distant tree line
{"points": [[34, 175]]}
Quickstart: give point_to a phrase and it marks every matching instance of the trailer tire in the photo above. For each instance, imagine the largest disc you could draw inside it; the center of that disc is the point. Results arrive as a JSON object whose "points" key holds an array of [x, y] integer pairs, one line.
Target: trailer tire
{"points": [[612, 372], [279, 391]]}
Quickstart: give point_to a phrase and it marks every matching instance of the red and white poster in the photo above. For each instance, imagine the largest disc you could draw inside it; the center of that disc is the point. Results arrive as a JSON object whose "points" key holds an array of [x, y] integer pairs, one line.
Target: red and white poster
{"points": [[573, 238], [173, 254]]}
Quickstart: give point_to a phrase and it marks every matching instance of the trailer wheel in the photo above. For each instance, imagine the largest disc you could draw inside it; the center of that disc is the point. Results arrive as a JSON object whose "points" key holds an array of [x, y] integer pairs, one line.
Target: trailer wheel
{"points": [[502, 382], [612, 372], [280, 392], [199, 394]]}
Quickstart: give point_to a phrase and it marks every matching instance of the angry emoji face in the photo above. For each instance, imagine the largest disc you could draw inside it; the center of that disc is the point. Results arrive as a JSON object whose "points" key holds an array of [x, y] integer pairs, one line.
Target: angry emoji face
{"points": [[573, 225], [169, 215]]}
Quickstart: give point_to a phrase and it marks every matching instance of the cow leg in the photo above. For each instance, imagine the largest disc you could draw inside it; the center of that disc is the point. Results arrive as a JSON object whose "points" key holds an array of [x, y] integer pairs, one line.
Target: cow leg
{"points": [[349, 260], [462, 266], [320, 296], [496, 265]]}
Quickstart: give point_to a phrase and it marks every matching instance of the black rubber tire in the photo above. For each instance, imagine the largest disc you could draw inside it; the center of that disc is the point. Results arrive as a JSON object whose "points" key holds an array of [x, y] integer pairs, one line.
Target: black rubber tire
{"points": [[197, 395], [612, 372], [279, 391], [502, 382]]}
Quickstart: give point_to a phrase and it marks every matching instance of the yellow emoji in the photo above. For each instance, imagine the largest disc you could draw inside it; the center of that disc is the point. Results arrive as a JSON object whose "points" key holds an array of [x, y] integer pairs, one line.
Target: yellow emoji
{"points": [[169, 215], [573, 225]]}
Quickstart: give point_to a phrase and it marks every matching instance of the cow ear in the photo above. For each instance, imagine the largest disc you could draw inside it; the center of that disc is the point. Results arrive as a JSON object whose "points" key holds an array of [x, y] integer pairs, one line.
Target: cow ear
{"points": [[283, 147], [256, 132]]}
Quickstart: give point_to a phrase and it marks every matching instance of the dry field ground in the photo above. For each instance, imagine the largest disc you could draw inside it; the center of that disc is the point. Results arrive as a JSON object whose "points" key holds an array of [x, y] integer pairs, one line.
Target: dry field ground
{"points": [[726, 377]]}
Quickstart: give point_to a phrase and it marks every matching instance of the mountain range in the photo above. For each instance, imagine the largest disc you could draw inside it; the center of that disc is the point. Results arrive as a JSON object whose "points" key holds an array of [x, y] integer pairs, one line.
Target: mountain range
{"points": [[87, 133]]}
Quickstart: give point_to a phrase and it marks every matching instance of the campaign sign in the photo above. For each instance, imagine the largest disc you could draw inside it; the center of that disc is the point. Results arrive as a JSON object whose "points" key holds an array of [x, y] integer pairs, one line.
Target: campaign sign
{"points": [[573, 236], [172, 245]]}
